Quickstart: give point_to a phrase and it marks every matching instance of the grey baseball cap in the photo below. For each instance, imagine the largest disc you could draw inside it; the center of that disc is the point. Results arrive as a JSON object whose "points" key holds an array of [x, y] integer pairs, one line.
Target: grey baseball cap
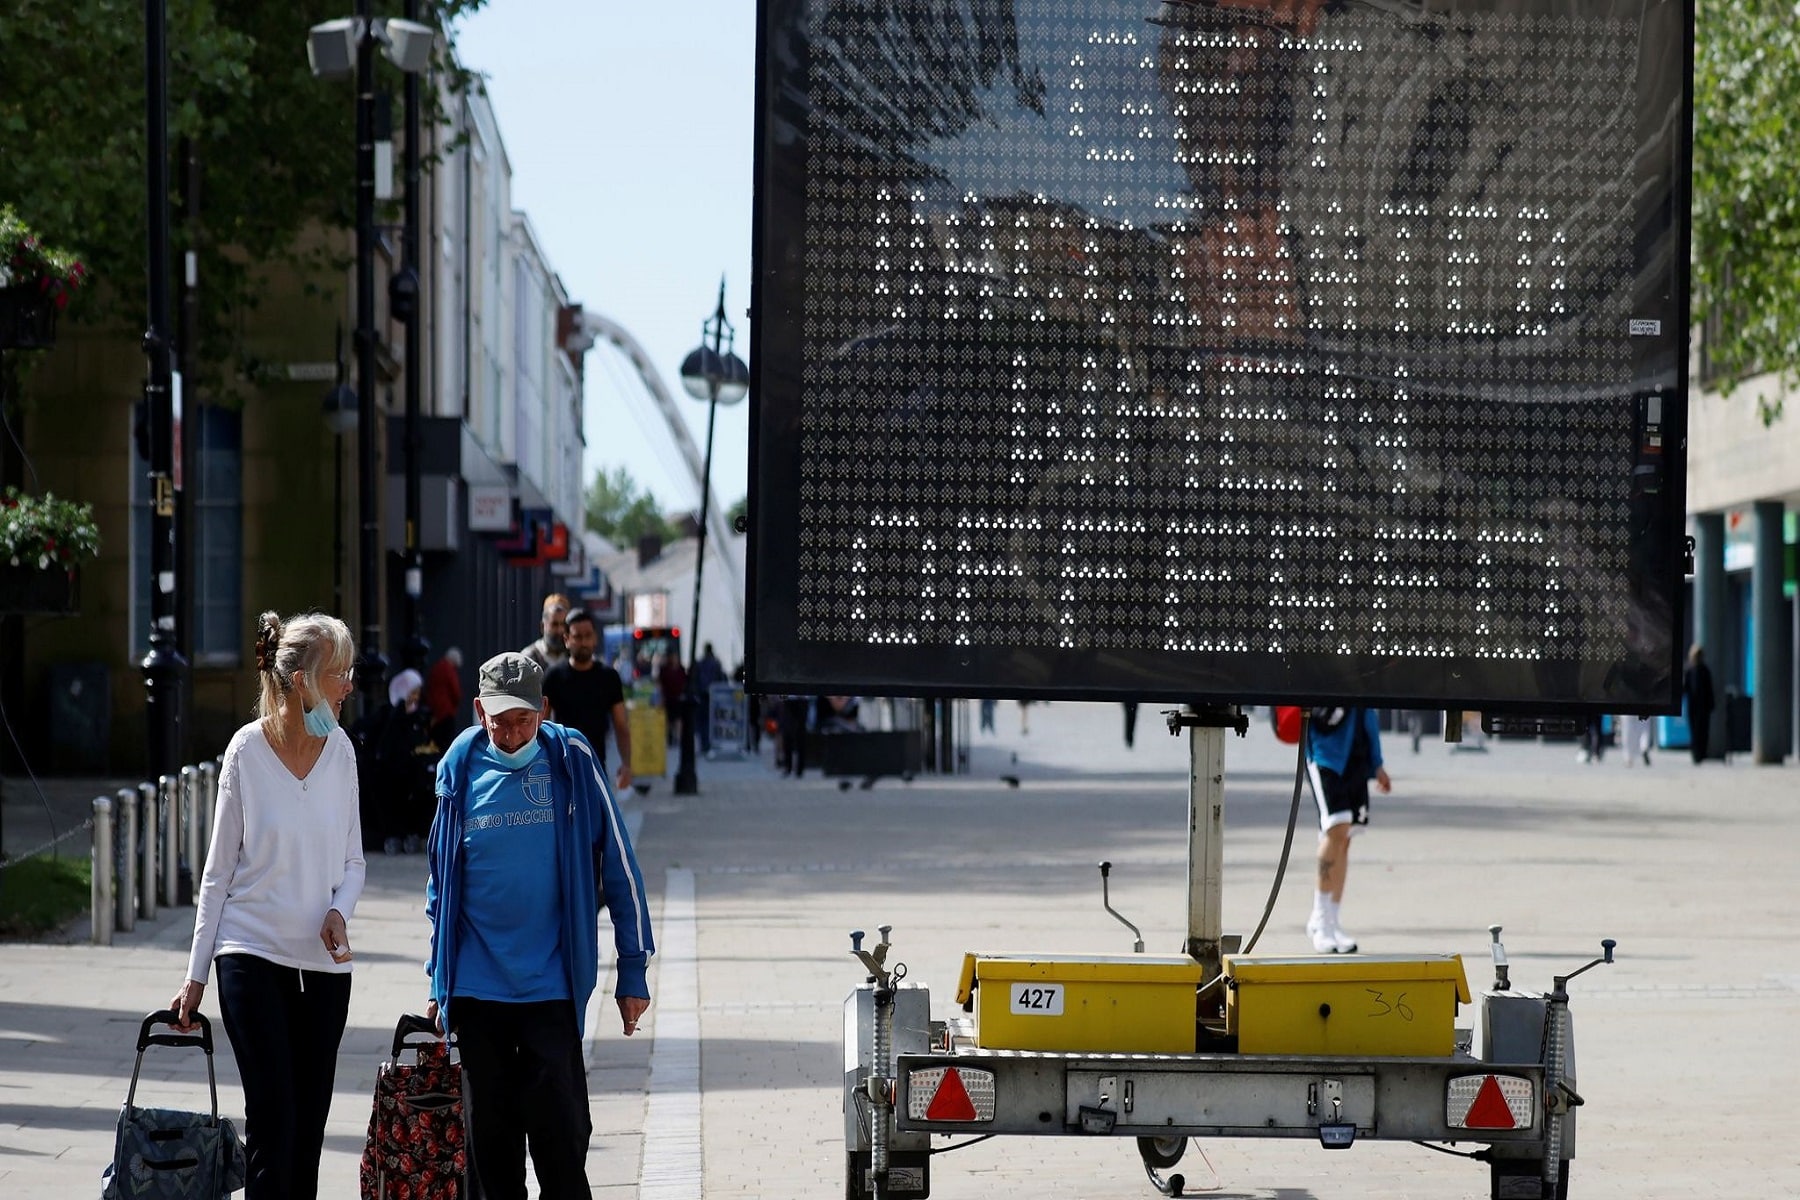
{"points": [[510, 681]]}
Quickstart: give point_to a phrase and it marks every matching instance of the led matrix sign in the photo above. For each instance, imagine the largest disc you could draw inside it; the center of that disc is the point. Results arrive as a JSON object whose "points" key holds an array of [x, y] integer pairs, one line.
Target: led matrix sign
{"points": [[1249, 349]]}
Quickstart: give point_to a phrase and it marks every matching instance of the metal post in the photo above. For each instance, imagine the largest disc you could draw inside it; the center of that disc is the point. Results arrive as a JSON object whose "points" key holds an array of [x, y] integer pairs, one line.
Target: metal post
{"points": [[1206, 845], [371, 672], [1769, 650], [147, 824], [169, 823], [416, 646], [101, 897], [209, 802], [125, 854], [190, 832], [164, 668], [1711, 599], [187, 334], [687, 783]]}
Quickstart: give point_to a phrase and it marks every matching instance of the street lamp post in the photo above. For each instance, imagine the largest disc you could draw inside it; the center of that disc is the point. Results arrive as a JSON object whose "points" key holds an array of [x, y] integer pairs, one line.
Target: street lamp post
{"points": [[718, 376], [404, 296], [339, 49], [340, 411], [164, 668]]}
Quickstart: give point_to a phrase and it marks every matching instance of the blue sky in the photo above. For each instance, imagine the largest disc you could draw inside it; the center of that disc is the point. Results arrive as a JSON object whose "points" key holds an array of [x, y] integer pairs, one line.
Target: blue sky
{"points": [[629, 127]]}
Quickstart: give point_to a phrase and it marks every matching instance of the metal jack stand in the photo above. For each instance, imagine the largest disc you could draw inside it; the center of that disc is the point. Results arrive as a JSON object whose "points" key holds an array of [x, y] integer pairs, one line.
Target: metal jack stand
{"points": [[879, 1086], [1206, 831], [1560, 1096]]}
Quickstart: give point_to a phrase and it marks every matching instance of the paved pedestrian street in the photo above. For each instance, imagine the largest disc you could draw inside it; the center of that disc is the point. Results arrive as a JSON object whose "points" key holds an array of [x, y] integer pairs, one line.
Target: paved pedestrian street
{"points": [[1686, 1045]]}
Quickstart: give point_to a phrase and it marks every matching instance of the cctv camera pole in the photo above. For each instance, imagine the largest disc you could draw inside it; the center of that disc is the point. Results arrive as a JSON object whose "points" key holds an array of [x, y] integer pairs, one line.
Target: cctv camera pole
{"points": [[371, 672], [409, 248], [164, 668]]}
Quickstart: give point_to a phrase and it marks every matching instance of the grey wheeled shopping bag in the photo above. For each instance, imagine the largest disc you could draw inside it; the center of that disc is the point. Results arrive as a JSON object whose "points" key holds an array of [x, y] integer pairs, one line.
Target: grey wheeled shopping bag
{"points": [[168, 1154]]}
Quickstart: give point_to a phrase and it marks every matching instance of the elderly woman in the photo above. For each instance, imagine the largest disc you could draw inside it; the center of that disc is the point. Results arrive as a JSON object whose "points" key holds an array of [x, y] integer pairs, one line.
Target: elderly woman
{"points": [[281, 883]]}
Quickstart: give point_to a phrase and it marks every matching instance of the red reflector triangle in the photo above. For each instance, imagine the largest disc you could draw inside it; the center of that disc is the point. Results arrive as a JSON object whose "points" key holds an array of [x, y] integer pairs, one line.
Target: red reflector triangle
{"points": [[1490, 1110], [951, 1100]]}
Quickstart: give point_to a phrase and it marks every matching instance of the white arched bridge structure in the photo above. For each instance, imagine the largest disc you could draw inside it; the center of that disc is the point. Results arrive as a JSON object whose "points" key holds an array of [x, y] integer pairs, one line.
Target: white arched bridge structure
{"points": [[597, 328]]}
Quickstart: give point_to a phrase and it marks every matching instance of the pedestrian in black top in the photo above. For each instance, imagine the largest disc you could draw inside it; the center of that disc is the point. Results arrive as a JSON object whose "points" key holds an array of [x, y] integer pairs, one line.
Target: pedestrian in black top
{"points": [[1697, 689], [586, 694]]}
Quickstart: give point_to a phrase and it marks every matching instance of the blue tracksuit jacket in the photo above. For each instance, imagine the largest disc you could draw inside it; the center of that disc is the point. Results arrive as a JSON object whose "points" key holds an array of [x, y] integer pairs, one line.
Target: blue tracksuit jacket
{"points": [[591, 845]]}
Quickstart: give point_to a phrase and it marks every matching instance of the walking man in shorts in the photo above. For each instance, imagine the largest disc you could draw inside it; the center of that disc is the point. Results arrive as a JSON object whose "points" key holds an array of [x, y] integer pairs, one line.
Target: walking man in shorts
{"points": [[1343, 755]]}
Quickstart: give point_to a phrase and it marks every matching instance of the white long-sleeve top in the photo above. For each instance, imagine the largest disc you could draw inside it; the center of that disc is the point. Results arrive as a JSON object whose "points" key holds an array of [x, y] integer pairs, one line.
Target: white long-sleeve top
{"points": [[284, 852]]}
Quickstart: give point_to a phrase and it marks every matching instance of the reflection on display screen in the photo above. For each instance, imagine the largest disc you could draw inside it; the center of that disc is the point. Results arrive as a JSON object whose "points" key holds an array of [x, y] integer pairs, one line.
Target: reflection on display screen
{"points": [[1227, 350]]}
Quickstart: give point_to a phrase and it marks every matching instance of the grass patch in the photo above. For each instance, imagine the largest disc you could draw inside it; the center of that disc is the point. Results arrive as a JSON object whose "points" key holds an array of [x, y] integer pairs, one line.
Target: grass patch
{"points": [[43, 894]]}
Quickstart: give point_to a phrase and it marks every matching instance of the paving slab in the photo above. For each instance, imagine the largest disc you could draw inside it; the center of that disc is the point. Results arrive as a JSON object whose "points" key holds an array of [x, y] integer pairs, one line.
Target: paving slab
{"points": [[733, 1087]]}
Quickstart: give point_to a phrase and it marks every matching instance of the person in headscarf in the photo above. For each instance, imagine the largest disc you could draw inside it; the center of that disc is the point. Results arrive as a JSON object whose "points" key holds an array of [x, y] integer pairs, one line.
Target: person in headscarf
{"points": [[405, 763]]}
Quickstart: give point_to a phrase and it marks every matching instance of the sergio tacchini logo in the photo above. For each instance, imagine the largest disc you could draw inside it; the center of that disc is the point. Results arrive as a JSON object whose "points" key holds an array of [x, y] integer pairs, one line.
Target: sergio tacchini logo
{"points": [[537, 784]]}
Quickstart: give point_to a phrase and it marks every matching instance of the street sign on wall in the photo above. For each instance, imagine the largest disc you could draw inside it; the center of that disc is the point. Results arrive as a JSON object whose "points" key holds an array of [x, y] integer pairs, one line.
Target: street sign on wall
{"points": [[1240, 350], [490, 508]]}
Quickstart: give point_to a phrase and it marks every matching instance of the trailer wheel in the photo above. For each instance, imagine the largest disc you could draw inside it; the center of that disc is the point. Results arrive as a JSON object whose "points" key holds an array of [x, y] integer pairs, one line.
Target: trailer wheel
{"points": [[1161, 1153], [1522, 1179]]}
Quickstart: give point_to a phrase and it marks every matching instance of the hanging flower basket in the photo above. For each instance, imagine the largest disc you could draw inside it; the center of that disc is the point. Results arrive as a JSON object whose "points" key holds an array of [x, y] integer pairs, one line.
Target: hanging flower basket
{"points": [[36, 282], [42, 541], [32, 590]]}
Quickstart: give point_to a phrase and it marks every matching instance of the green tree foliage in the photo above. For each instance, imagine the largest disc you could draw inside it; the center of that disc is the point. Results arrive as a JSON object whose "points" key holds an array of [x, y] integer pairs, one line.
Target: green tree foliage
{"points": [[1746, 207], [275, 145], [622, 512]]}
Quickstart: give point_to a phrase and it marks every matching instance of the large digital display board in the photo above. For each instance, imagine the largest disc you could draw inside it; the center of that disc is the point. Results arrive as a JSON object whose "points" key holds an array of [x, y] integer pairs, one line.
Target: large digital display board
{"points": [[1229, 350]]}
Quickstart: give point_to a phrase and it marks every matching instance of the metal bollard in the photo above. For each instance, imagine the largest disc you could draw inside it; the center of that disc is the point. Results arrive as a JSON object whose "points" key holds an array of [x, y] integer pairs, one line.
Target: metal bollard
{"points": [[101, 897], [125, 898], [189, 882], [170, 826], [209, 802], [147, 851]]}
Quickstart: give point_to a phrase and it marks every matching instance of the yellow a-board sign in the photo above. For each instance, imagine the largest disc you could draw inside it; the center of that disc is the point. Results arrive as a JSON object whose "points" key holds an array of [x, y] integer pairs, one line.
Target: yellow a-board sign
{"points": [[649, 739]]}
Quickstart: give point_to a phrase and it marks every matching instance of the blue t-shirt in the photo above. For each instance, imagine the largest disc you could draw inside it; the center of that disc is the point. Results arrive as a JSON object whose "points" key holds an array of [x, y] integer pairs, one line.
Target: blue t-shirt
{"points": [[509, 944]]}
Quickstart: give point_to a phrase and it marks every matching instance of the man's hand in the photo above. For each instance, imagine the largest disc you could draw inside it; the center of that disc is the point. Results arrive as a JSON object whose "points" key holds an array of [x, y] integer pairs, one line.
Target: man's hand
{"points": [[185, 1004], [624, 777], [431, 1014], [335, 937], [630, 1009], [1382, 781]]}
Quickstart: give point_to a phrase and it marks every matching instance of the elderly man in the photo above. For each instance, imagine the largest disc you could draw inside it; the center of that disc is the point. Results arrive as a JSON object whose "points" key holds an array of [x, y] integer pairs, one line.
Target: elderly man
{"points": [[526, 843]]}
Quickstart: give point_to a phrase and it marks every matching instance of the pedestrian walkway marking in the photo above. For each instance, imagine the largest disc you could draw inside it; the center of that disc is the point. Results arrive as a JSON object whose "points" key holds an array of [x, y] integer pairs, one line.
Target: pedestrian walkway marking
{"points": [[671, 1155]]}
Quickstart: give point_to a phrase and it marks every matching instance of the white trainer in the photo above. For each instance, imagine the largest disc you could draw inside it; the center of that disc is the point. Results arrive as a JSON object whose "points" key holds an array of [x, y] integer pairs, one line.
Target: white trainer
{"points": [[1341, 942]]}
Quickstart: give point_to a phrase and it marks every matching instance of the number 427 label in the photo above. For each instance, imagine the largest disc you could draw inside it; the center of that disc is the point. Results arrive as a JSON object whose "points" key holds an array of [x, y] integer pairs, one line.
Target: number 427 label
{"points": [[1037, 999]]}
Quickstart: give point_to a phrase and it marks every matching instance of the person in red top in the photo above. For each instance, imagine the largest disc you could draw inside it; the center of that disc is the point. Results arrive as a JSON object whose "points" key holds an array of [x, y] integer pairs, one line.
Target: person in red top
{"points": [[443, 696]]}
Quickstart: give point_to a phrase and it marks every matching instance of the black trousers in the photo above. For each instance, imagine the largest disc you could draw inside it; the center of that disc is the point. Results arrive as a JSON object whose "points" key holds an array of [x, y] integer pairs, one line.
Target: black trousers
{"points": [[525, 1084], [284, 1026], [1700, 734], [793, 735]]}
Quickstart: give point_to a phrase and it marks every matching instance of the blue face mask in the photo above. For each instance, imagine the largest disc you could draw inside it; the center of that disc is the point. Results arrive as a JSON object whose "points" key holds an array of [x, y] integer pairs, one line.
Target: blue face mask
{"points": [[320, 720], [514, 759]]}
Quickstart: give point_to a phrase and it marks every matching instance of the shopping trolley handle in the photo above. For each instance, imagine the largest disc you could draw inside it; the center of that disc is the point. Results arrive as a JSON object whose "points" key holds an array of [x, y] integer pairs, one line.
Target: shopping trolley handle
{"points": [[412, 1024], [169, 1017]]}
